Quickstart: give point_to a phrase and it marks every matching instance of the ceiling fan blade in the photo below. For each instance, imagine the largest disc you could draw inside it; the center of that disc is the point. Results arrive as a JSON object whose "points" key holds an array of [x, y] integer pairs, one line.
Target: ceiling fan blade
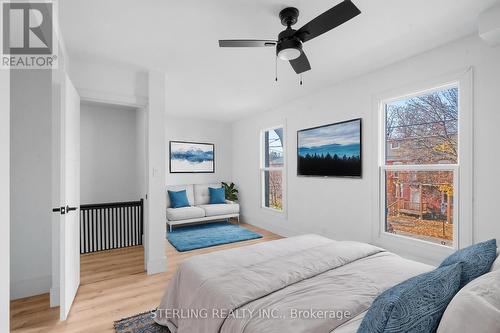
{"points": [[330, 19], [301, 64], [247, 43]]}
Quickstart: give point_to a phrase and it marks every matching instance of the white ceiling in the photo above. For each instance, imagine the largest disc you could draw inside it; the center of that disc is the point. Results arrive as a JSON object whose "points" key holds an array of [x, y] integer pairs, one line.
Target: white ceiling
{"points": [[181, 38]]}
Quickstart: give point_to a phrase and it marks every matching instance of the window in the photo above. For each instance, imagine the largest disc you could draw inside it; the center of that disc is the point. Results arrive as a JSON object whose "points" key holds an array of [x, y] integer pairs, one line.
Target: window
{"points": [[272, 169], [419, 178]]}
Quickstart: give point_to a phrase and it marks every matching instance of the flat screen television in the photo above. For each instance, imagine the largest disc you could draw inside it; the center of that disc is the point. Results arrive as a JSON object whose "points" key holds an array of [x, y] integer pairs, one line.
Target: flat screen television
{"points": [[332, 150]]}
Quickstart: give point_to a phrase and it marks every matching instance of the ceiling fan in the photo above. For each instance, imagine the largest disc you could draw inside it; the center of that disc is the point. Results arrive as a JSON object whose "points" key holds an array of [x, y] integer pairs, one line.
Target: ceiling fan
{"points": [[289, 43]]}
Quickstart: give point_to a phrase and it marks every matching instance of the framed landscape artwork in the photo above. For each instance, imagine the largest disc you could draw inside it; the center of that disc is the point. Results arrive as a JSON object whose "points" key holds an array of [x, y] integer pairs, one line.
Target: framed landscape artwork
{"points": [[331, 150], [192, 157]]}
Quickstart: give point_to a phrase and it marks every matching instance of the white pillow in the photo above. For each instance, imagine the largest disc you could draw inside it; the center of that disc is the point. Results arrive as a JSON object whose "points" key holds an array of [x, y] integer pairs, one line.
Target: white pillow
{"points": [[476, 307], [496, 263]]}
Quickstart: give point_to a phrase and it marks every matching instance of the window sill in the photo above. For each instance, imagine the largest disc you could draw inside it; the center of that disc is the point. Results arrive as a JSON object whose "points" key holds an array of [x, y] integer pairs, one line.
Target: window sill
{"points": [[415, 249], [274, 210]]}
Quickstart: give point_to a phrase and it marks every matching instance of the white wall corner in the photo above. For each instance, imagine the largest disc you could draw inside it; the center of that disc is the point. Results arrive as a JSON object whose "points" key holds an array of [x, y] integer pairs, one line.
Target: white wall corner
{"points": [[4, 200], [275, 228], [155, 223], [489, 25], [109, 83], [54, 296], [154, 266], [30, 287], [31, 120]]}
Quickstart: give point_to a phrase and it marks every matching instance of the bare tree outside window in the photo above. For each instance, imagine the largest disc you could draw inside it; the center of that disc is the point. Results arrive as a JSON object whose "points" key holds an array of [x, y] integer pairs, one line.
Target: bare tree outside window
{"points": [[272, 169], [419, 201], [425, 127]]}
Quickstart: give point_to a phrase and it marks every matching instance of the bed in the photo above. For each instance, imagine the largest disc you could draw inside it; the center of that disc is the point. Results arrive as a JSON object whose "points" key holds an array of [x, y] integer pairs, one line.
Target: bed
{"points": [[307, 283]]}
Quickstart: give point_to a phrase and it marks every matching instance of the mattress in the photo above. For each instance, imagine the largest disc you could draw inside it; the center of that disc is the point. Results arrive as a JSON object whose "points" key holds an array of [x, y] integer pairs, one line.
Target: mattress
{"points": [[307, 283]]}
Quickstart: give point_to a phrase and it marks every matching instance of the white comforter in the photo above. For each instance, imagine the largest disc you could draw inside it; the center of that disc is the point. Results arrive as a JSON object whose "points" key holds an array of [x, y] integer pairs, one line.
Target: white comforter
{"points": [[299, 284]]}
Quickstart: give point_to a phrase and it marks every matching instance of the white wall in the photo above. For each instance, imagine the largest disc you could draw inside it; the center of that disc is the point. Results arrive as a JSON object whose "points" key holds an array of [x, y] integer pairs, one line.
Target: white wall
{"points": [[31, 202], [341, 208], [109, 154], [101, 81], [206, 131], [4, 200], [140, 122], [155, 207]]}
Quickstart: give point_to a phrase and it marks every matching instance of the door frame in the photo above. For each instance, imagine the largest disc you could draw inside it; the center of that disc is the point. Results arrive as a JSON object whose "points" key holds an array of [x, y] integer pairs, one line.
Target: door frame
{"points": [[136, 102], [86, 96]]}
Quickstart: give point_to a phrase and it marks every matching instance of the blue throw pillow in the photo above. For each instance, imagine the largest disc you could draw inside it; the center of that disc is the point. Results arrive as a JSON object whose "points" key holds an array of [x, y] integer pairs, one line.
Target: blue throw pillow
{"points": [[476, 259], [217, 195], [414, 305], [178, 199]]}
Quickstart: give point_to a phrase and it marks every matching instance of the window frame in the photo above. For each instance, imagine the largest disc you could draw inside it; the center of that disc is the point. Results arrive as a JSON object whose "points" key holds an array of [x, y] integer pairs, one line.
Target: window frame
{"points": [[393, 147], [463, 176], [263, 169], [455, 168]]}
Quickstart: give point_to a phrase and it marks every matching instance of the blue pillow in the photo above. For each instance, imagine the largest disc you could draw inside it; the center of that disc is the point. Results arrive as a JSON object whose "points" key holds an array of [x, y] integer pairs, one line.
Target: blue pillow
{"points": [[217, 195], [414, 305], [476, 259], [178, 199]]}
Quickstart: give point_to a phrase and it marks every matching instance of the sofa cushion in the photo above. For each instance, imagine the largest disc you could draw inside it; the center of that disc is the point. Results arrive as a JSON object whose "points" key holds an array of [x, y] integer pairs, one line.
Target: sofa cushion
{"points": [[189, 192], [201, 194], [220, 209], [217, 195], [184, 213], [178, 199]]}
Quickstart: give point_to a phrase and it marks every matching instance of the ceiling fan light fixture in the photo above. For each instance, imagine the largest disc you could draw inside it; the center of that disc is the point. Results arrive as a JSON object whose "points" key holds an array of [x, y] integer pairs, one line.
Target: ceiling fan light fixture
{"points": [[289, 54], [288, 48]]}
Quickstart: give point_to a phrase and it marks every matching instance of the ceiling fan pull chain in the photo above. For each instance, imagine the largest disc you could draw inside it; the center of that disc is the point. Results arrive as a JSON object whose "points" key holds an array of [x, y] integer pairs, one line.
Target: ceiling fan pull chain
{"points": [[301, 79]]}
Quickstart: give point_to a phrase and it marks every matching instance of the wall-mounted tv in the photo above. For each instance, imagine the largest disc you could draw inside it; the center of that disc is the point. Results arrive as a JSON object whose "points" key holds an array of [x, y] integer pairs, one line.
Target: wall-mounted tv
{"points": [[332, 150]]}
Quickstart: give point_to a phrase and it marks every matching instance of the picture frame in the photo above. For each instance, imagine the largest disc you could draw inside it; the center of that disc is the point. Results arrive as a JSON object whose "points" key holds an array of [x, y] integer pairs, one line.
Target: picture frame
{"points": [[332, 150], [191, 157]]}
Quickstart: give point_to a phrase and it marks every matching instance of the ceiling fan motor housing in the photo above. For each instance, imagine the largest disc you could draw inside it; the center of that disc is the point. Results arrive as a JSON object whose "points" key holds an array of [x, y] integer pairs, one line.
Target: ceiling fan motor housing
{"points": [[287, 40]]}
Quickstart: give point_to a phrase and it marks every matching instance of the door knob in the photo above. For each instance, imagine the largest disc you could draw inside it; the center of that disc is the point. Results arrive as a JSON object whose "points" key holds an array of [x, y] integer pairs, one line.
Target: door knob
{"points": [[61, 210]]}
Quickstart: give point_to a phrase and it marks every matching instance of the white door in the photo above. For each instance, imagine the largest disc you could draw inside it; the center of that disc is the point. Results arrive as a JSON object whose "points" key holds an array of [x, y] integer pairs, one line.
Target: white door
{"points": [[69, 222]]}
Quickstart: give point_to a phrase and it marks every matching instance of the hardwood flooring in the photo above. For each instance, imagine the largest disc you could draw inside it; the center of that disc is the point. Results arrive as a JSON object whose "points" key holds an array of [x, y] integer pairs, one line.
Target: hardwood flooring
{"points": [[113, 285]]}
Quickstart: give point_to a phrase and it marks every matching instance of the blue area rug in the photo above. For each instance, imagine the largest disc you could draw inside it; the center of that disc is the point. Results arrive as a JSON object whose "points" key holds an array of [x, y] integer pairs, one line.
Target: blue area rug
{"points": [[206, 235]]}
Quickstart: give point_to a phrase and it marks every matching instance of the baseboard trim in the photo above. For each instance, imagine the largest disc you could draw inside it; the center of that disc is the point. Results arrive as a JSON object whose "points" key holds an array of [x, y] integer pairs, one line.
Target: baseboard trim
{"points": [[279, 230], [155, 266], [29, 287]]}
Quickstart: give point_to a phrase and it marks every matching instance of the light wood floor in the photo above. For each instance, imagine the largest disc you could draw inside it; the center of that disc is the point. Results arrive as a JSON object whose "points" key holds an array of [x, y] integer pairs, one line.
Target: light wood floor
{"points": [[113, 286]]}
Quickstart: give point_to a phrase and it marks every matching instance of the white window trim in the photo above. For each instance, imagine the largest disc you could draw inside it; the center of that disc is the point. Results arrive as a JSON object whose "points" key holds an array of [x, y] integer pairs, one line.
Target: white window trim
{"points": [[464, 230], [283, 169]]}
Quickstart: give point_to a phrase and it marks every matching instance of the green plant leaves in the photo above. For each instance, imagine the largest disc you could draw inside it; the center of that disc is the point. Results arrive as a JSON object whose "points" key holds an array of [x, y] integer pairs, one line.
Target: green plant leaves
{"points": [[231, 191]]}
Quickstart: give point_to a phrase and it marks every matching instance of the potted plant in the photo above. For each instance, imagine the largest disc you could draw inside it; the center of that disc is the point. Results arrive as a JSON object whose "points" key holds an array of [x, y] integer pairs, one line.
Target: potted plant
{"points": [[231, 191]]}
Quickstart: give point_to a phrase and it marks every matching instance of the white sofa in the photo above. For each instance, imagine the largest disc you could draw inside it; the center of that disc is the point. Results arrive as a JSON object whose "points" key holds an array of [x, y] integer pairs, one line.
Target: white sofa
{"points": [[200, 210]]}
